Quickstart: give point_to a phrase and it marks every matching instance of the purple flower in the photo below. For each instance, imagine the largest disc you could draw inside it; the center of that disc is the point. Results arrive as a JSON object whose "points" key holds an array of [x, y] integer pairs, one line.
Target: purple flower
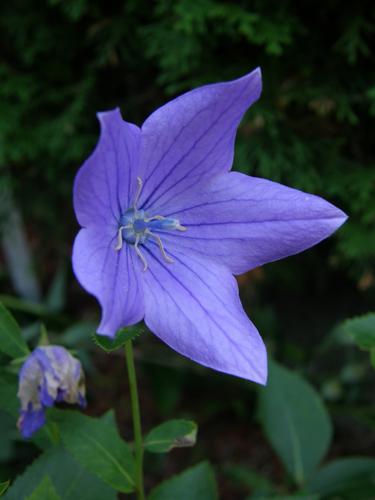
{"points": [[50, 374], [165, 225]]}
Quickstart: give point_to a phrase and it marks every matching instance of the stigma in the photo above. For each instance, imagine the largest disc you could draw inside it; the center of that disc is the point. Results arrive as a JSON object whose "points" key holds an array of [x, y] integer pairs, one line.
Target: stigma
{"points": [[136, 227]]}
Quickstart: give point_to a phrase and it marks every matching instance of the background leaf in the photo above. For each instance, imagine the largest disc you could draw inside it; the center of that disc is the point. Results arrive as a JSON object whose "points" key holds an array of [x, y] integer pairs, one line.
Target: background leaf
{"points": [[345, 478], [22, 305], [171, 434], [8, 394], [295, 421], [56, 296], [3, 487], [11, 341], [362, 329], [45, 491], [98, 446], [198, 482], [69, 478]]}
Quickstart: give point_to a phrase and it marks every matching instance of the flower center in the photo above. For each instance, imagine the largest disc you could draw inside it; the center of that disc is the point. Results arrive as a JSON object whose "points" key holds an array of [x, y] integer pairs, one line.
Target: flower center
{"points": [[135, 227]]}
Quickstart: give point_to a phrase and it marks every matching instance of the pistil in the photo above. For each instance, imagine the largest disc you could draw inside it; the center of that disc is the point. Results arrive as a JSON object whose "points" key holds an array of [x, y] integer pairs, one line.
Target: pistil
{"points": [[136, 227]]}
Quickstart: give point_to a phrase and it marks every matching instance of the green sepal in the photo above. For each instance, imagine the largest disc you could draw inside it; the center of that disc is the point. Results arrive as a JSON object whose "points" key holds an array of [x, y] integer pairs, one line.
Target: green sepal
{"points": [[122, 336]]}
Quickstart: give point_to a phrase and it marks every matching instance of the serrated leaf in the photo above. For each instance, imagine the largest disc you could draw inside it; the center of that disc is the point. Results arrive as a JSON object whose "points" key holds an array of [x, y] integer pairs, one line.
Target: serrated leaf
{"points": [[295, 421], [198, 482], [171, 434], [99, 448], [11, 341], [362, 329], [3, 487], [345, 478], [70, 479], [44, 491], [120, 340]]}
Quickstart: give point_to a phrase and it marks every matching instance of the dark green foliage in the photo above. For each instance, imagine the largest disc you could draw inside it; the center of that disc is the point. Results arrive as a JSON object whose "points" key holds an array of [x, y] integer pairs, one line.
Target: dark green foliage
{"points": [[64, 60]]}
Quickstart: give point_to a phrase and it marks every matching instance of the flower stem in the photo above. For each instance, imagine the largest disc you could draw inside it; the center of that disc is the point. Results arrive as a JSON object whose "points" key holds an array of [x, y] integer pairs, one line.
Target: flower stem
{"points": [[136, 420]]}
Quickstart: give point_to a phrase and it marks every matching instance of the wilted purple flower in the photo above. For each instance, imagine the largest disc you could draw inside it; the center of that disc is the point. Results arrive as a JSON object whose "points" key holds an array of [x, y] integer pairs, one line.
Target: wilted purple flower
{"points": [[50, 374], [166, 225]]}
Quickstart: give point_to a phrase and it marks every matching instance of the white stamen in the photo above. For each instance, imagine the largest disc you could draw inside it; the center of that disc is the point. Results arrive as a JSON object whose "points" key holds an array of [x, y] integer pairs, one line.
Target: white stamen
{"points": [[154, 217], [139, 253], [160, 244], [119, 236]]}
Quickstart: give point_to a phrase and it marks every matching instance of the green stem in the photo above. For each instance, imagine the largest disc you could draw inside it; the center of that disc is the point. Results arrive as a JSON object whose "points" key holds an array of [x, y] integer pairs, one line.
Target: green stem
{"points": [[136, 420]]}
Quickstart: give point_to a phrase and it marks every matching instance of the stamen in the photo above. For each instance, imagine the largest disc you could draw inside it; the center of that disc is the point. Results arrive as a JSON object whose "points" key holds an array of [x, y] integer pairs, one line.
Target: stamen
{"points": [[138, 227], [154, 217], [119, 236], [160, 244], [138, 193], [139, 253]]}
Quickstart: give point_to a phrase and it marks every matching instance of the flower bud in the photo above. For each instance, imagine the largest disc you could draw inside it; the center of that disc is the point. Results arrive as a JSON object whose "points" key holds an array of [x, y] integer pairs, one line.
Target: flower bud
{"points": [[50, 374]]}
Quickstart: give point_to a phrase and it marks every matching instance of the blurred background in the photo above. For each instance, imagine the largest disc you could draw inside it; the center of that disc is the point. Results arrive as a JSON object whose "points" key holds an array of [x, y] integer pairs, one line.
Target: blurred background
{"points": [[61, 61]]}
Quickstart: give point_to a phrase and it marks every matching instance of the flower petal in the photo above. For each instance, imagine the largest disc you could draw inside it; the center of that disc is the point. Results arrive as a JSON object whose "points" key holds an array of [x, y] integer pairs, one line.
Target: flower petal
{"points": [[244, 222], [31, 421], [105, 184], [194, 307], [192, 137], [113, 277]]}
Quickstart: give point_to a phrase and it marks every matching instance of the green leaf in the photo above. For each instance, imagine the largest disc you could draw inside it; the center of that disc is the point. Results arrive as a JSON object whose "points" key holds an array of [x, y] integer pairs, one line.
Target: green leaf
{"points": [[56, 295], [70, 479], [122, 336], [241, 475], [295, 421], [345, 478], [45, 491], [171, 434], [26, 306], [372, 357], [99, 448], [8, 435], [362, 329], [3, 487], [11, 341], [196, 482]]}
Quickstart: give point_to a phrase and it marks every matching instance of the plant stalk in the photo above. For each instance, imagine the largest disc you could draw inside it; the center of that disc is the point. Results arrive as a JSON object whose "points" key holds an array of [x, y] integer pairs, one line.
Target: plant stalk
{"points": [[137, 429]]}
